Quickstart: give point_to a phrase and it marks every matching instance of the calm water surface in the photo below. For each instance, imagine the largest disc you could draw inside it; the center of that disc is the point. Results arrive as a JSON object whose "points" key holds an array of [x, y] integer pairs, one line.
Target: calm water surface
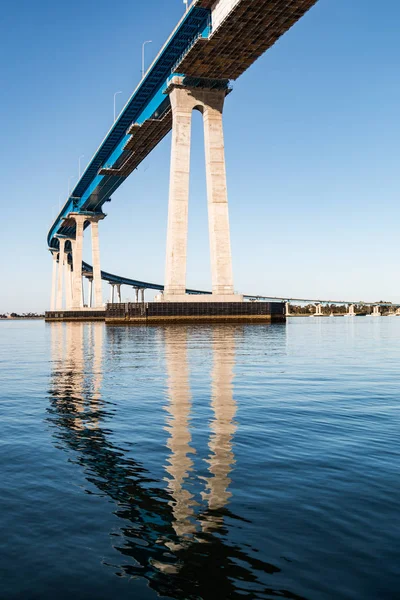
{"points": [[196, 463]]}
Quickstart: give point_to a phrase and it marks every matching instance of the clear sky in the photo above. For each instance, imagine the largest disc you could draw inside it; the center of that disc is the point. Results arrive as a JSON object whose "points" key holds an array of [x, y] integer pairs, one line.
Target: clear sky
{"points": [[312, 136]]}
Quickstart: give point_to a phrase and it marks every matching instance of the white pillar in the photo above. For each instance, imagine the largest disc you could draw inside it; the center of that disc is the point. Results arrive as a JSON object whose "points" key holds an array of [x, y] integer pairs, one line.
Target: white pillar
{"points": [[176, 254], [136, 295], [98, 300], [351, 310], [70, 285], [90, 279], [112, 293], [287, 306], [210, 103], [72, 272], [53, 281], [118, 286], [61, 258], [67, 275], [142, 295], [217, 194], [77, 286]]}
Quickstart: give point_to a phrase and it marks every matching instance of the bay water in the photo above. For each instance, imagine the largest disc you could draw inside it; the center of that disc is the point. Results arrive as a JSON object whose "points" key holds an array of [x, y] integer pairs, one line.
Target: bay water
{"points": [[200, 462]]}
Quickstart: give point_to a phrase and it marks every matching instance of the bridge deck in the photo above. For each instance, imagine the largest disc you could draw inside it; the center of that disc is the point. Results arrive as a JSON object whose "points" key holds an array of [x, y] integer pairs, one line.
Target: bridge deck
{"points": [[247, 31], [245, 34]]}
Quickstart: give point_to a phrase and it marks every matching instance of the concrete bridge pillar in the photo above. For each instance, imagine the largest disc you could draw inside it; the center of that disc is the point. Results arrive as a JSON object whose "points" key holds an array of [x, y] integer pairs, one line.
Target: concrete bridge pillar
{"points": [[318, 310], [68, 283], [210, 103], [217, 194], [287, 307], [61, 259], [90, 298], [376, 312], [96, 281], [53, 281], [142, 290], [351, 310], [176, 254], [118, 286], [136, 294], [115, 287], [77, 254]]}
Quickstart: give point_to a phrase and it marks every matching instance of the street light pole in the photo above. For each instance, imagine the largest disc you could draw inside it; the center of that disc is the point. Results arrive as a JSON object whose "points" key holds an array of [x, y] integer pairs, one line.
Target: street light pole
{"points": [[69, 183], [79, 164], [115, 95], [143, 46]]}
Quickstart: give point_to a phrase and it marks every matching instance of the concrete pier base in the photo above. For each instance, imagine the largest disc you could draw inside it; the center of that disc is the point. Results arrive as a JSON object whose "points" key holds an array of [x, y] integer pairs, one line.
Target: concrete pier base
{"points": [[136, 313], [81, 314], [194, 312]]}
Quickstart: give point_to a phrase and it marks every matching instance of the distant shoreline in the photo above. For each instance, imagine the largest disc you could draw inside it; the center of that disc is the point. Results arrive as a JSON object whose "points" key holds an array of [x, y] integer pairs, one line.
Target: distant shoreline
{"points": [[22, 319]]}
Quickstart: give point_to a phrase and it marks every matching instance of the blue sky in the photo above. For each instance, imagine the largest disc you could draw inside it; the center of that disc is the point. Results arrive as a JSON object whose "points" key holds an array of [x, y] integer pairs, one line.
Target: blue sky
{"points": [[312, 136]]}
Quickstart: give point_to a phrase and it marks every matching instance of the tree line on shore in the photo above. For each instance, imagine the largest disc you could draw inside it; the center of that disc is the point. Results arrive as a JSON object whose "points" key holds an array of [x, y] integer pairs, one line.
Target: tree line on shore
{"points": [[29, 315], [328, 309]]}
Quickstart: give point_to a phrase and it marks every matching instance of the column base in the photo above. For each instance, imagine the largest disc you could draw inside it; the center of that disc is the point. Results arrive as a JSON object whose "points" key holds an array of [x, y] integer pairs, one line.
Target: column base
{"points": [[199, 298]]}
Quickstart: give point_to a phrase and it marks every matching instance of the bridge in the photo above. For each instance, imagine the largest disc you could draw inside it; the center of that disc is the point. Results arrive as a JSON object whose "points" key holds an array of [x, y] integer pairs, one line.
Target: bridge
{"points": [[214, 43], [116, 282]]}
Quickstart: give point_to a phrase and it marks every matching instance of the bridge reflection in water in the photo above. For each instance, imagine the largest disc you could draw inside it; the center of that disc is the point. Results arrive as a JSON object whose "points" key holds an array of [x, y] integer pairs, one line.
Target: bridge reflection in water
{"points": [[178, 540]]}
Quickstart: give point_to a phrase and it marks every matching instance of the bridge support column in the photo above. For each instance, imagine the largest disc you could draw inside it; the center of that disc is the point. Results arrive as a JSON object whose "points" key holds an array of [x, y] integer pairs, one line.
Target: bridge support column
{"points": [[90, 299], [318, 310], [61, 258], [217, 194], [77, 284], [118, 286], [142, 290], [351, 310], [176, 254], [68, 283], [210, 103], [376, 312], [98, 300], [53, 281], [287, 309], [136, 295]]}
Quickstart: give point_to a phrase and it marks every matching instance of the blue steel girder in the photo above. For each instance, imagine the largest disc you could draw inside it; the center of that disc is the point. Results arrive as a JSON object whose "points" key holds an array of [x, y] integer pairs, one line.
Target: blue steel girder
{"points": [[194, 51], [93, 189], [111, 278]]}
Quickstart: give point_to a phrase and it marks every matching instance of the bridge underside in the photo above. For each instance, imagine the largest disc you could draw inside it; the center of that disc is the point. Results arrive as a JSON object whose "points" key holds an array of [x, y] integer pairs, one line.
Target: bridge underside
{"points": [[249, 30], [200, 48], [215, 42]]}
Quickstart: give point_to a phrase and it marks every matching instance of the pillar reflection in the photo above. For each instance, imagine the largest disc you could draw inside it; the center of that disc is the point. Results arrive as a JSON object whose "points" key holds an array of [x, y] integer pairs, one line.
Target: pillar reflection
{"points": [[179, 463], [171, 532], [77, 376], [221, 458]]}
